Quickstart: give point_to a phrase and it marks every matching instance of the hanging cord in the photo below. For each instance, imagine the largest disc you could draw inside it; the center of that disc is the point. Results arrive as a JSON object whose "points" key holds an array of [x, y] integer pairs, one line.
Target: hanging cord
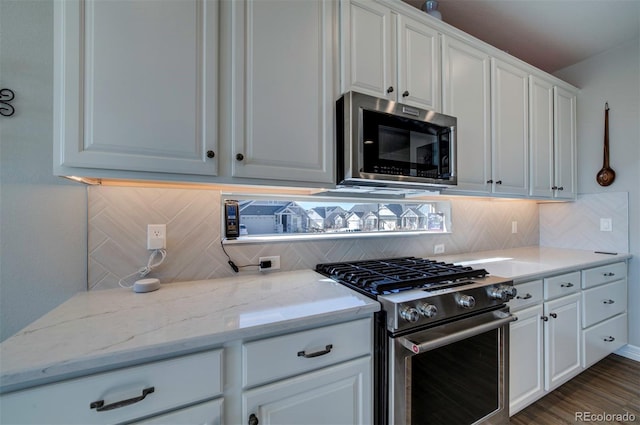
{"points": [[143, 271], [231, 263]]}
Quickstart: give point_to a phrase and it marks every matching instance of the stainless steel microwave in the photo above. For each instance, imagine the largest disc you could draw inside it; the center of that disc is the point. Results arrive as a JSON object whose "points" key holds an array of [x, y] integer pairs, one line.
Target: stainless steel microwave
{"points": [[389, 144]]}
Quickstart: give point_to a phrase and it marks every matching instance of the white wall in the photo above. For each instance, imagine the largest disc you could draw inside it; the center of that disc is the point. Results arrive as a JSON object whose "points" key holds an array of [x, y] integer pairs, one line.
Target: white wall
{"points": [[614, 77], [43, 219]]}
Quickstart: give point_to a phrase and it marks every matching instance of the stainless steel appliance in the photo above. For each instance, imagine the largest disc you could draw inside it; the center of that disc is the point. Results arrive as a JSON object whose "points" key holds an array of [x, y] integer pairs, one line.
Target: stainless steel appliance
{"points": [[389, 144], [441, 338]]}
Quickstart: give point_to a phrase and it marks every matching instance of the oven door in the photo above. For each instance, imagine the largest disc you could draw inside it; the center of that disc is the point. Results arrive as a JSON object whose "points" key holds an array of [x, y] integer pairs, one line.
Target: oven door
{"points": [[455, 373]]}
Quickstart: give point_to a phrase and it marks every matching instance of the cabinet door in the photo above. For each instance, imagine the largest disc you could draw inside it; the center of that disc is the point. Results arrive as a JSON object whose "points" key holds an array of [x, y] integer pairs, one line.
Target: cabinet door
{"points": [[466, 96], [565, 143], [418, 64], [136, 85], [562, 340], [283, 90], [368, 49], [541, 137], [339, 394], [526, 370], [509, 93]]}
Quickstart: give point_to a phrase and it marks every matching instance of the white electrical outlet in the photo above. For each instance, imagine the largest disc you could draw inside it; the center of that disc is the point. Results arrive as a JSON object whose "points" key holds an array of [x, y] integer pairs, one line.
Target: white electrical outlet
{"points": [[514, 227], [274, 263], [606, 225], [156, 236], [438, 249]]}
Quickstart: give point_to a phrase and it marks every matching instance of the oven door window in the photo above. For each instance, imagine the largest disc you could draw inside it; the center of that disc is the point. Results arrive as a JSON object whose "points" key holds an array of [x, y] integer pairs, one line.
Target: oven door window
{"points": [[457, 383], [402, 146]]}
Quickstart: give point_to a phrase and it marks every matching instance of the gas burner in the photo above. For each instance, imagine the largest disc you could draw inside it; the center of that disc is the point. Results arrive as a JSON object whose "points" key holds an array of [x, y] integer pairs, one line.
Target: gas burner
{"points": [[386, 276]]}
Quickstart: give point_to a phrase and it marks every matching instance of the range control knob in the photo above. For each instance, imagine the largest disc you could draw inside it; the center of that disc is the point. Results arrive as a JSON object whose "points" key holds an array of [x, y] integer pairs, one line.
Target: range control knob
{"points": [[466, 301], [503, 293], [409, 314], [427, 310]]}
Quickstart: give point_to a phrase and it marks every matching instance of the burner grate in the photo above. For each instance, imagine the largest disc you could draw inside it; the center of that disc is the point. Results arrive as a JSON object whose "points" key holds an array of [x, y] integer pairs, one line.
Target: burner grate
{"points": [[387, 275]]}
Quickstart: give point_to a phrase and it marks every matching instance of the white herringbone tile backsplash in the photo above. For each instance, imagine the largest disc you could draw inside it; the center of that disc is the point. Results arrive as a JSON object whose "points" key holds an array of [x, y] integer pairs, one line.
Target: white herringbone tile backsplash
{"points": [[577, 224], [118, 218]]}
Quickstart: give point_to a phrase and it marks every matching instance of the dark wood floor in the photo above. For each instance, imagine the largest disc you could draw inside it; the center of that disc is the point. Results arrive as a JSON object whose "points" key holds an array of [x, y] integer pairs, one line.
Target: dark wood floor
{"points": [[611, 386]]}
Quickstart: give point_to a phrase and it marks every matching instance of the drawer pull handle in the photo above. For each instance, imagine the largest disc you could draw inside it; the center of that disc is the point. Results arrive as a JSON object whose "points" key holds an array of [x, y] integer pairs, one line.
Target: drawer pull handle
{"points": [[526, 297], [608, 301], [253, 419], [326, 350], [545, 318], [554, 315], [100, 407], [610, 274], [609, 339], [567, 285]]}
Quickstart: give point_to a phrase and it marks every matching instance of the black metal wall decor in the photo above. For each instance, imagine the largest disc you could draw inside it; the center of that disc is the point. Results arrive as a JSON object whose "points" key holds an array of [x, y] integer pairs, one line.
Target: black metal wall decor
{"points": [[6, 96]]}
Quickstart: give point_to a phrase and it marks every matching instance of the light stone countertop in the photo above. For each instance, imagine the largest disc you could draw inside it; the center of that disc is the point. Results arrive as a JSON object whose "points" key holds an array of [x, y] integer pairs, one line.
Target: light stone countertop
{"points": [[102, 330], [534, 262]]}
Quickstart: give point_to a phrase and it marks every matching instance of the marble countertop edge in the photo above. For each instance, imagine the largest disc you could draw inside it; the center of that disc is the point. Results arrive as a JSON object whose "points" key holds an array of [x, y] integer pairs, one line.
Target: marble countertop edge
{"points": [[20, 379]]}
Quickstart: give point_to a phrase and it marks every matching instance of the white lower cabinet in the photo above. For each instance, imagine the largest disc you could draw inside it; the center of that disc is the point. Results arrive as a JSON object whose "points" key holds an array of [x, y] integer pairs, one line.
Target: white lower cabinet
{"points": [[124, 395], [604, 321], [287, 378], [291, 379], [338, 394], [526, 357], [562, 340], [208, 413], [563, 329]]}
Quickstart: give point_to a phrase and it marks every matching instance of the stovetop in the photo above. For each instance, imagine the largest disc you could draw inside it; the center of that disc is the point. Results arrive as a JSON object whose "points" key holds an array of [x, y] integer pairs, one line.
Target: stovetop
{"points": [[417, 291], [388, 276]]}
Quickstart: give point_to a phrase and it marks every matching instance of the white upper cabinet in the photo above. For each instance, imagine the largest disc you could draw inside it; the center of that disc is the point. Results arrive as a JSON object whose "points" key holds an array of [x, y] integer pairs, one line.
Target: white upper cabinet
{"points": [[565, 144], [510, 117], [368, 48], [541, 136], [466, 95], [136, 86], [418, 64], [282, 89], [552, 123], [388, 55]]}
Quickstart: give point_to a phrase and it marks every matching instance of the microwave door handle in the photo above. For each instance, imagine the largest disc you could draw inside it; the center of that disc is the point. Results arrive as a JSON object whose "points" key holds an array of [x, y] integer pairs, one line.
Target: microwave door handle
{"points": [[431, 344]]}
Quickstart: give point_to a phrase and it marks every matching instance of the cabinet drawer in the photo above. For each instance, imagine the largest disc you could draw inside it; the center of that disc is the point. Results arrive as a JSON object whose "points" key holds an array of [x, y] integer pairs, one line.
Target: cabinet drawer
{"points": [[529, 293], [603, 302], [603, 274], [207, 413], [603, 339], [563, 284], [275, 358], [176, 382]]}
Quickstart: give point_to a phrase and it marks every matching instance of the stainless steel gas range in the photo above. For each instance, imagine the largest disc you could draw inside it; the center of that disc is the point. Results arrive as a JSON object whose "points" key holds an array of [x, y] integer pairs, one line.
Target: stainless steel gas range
{"points": [[441, 354]]}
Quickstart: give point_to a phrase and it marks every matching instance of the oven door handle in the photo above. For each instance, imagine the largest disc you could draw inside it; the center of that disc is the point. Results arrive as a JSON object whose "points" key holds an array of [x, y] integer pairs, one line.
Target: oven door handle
{"points": [[498, 319]]}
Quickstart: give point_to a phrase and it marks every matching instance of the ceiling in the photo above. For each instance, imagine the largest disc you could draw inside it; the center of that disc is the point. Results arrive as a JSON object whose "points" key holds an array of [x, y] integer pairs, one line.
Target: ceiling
{"points": [[549, 34]]}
